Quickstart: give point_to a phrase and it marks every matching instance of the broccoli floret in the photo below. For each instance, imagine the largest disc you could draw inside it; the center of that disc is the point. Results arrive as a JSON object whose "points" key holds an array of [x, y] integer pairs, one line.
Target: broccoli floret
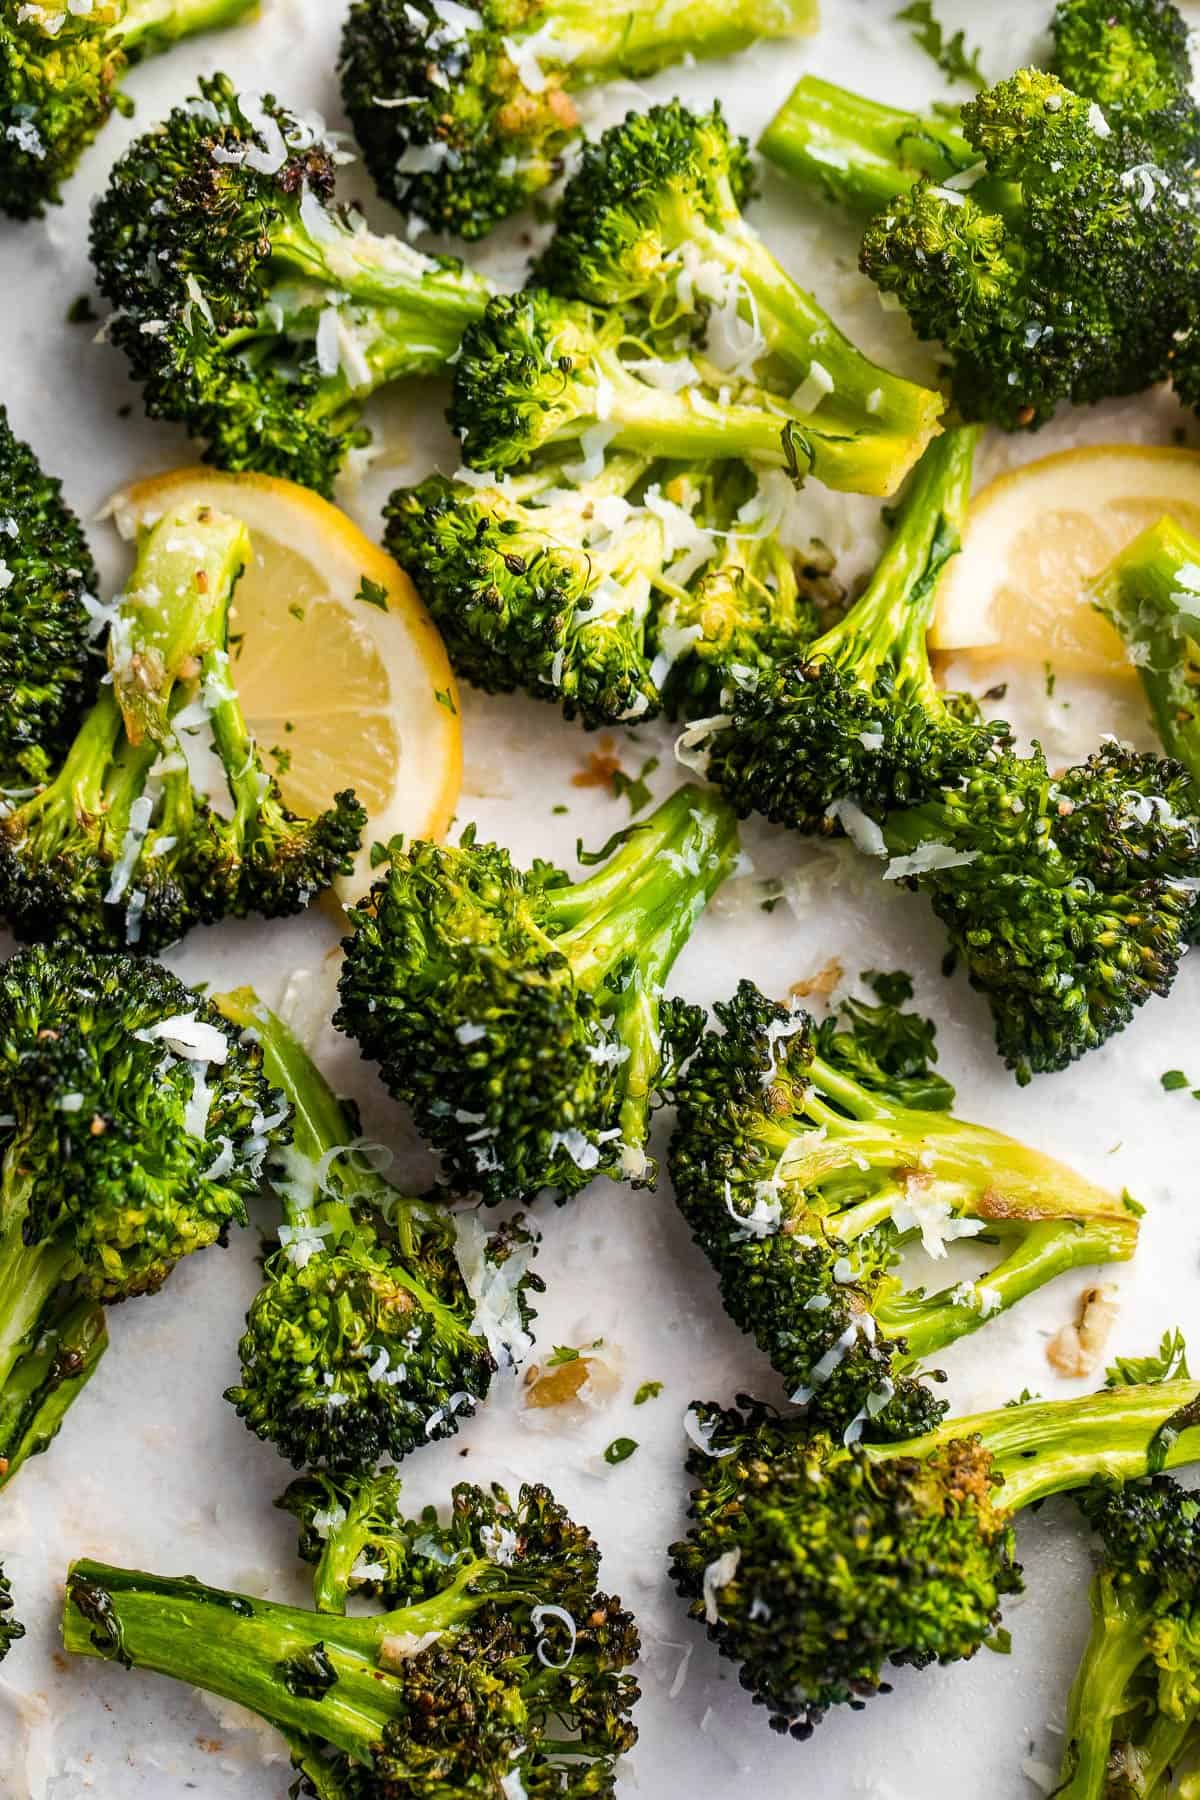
{"points": [[140, 1124], [540, 586], [498, 1667], [1055, 265], [348, 1532], [652, 223], [117, 849], [60, 70], [858, 714], [804, 1169], [521, 1015], [814, 1565], [64, 1347], [46, 578], [362, 1341], [537, 372], [251, 306], [1134, 1711], [464, 113], [10, 1628], [1132, 57]]}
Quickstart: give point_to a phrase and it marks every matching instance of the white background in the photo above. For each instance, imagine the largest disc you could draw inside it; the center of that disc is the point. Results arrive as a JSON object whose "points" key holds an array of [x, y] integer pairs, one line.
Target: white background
{"points": [[155, 1468]]}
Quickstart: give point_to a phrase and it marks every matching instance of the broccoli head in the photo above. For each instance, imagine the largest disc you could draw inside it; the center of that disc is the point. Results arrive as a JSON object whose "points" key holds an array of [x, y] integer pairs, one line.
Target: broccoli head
{"points": [[1134, 1711], [520, 1015], [464, 113], [814, 1566], [806, 1158], [59, 80], [382, 1319], [10, 1628], [251, 306], [497, 1663], [46, 583], [140, 1125], [1132, 57]]}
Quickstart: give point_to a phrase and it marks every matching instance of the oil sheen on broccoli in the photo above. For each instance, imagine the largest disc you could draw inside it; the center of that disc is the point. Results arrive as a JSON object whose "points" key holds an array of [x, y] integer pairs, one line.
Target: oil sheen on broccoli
{"points": [[814, 1566], [806, 1158], [252, 307], [521, 1015], [60, 70], [492, 1665], [382, 1319], [140, 1121], [118, 849], [464, 112]]}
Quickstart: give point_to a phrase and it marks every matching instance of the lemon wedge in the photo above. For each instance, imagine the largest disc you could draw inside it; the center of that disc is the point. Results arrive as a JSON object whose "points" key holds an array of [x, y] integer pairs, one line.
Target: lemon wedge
{"points": [[1036, 537], [337, 663]]}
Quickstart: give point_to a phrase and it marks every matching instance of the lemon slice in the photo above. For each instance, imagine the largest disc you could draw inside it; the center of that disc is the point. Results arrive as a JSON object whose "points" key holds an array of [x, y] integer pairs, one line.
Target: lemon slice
{"points": [[357, 692], [1035, 538]]}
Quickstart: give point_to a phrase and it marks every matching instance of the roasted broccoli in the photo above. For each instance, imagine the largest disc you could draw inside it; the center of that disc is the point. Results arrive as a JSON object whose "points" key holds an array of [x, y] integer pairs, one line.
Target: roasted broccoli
{"points": [[139, 1125], [46, 584], [651, 223], [465, 113], [118, 849], [498, 1668], [807, 1157], [815, 1565], [1134, 1711], [381, 1319], [10, 1628], [60, 69], [1132, 57], [537, 373], [251, 306], [521, 1015], [1051, 251]]}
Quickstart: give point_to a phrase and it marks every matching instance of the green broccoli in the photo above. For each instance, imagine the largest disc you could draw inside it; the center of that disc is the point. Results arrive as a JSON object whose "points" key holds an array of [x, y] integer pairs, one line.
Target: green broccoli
{"points": [[652, 223], [806, 1158], [381, 1318], [537, 372], [498, 1668], [251, 306], [10, 1628], [1050, 251], [138, 1122], [520, 1015], [117, 849], [815, 1565], [1134, 1711], [1132, 57], [60, 69], [465, 113], [46, 585]]}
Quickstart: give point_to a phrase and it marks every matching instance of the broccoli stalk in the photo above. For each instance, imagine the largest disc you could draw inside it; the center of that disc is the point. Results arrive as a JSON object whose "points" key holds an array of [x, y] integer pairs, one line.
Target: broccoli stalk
{"points": [[536, 372], [1135, 1701], [497, 1665], [521, 1015], [652, 221], [59, 80], [274, 312], [462, 119], [140, 1123], [814, 1565], [361, 1343], [804, 1169]]}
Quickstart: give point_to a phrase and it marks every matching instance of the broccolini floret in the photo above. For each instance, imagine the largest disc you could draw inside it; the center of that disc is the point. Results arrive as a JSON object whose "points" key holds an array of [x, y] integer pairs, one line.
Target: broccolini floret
{"points": [[251, 306], [521, 1015], [1134, 1712], [652, 223], [805, 1167], [537, 373], [140, 1125], [11, 1628], [363, 1341], [814, 1565], [1133, 57], [118, 849], [498, 1668], [464, 113], [60, 69]]}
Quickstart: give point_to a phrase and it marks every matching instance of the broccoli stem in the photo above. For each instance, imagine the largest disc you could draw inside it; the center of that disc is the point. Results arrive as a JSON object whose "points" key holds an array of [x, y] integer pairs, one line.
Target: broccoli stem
{"points": [[149, 26], [65, 1347], [1100, 1693], [1047, 1446], [29, 1273], [618, 38], [861, 153], [380, 272]]}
